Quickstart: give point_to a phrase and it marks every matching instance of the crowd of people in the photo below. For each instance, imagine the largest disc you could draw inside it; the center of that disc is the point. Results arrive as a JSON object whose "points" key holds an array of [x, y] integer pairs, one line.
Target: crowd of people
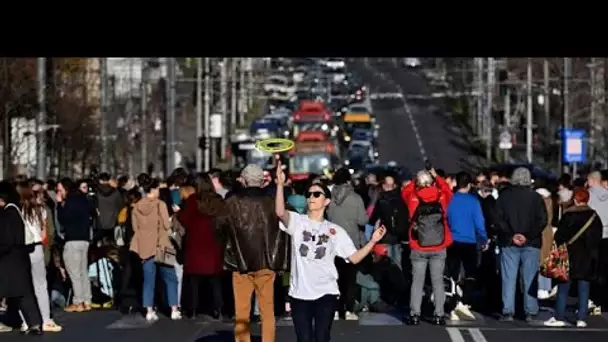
{"points": [[319, 250]]}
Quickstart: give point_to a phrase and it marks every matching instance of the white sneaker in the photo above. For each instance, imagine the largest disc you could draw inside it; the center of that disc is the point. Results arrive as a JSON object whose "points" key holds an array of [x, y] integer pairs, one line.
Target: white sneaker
{"points": [[24, 327], [464, 310], [581, 324], [553, 292], [454, 316], [596, 311], [552, 322], [176, 315], [349, 316], [543, 294], [336, 316], [152, 316]]}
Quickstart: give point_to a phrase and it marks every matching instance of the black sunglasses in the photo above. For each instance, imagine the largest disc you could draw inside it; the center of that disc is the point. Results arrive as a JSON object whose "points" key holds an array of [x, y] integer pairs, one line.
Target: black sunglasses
{"points": [[316, 194]]}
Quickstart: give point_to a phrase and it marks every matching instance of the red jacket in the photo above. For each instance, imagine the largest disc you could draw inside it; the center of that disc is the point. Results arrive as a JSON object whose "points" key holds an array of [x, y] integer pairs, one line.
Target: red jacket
{"points": [[440, 191], [202, 251]]}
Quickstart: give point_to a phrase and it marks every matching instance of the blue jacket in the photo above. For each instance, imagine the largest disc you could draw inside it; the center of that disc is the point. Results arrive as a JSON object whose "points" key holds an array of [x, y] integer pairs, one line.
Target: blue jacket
{"points": [[466, 219]]}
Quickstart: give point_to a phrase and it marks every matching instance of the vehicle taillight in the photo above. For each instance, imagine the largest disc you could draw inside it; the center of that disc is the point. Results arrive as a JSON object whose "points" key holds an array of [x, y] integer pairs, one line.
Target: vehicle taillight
{"points": [[327, 117], [297, 117]]}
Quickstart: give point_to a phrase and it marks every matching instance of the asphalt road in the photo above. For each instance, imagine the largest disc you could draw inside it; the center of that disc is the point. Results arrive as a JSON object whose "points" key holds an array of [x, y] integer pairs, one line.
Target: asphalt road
{"points": [[105, 326], [412, 130]]}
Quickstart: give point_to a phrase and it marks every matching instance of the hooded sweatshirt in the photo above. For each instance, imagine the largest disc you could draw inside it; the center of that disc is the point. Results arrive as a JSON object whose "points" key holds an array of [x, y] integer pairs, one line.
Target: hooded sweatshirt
{"points": [[346, 210], [109, 204], [598, 201], [150, 222]]}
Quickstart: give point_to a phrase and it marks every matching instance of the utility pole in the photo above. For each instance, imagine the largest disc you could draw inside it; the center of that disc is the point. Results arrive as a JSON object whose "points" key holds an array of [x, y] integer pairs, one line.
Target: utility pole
{"points": [[103, 97], [223, 105], [199, 112], [207, 112], [242, 92], [480, 93], [547, 97], [233, 94], [489, 109], [529, 142], [566, 117], [507, 120], [592, 114], [170, 117], [250, 90], [41, 120], [144, 115]]}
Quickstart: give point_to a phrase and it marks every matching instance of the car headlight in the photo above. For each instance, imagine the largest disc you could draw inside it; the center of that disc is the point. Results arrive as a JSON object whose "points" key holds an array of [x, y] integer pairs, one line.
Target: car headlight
{"points": [[351, 171], [347, 162], [347, 138], [324, 127], [375, 154]]}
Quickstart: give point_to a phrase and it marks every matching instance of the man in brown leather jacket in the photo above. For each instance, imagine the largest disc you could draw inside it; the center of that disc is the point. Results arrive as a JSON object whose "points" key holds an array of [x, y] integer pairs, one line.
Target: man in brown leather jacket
{"points": [[255, 249]]}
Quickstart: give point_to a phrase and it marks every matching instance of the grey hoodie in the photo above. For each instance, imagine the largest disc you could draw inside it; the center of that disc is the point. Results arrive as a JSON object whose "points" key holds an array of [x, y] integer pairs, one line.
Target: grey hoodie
{"points": [[598, 201], [346, 210]]}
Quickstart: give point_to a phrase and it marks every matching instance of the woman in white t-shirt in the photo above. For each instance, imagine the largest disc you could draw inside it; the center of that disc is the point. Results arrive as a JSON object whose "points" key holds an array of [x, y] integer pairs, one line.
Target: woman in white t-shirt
{"points": [[34, 218], [313, 283]]}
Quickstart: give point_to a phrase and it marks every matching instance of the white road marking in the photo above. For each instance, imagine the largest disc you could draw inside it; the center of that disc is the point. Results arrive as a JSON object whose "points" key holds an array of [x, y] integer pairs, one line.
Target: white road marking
{"points": [[477, 335], [414, 126], [455, 334]]}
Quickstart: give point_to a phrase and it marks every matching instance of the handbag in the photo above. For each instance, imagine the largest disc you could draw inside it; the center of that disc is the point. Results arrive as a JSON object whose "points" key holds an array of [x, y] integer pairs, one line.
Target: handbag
{"points": [[557, 264], [164, 255]]}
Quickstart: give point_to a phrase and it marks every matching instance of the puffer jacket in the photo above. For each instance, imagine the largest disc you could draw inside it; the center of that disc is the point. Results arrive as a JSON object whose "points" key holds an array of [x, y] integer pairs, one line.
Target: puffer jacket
{"points": [[250, 233]]}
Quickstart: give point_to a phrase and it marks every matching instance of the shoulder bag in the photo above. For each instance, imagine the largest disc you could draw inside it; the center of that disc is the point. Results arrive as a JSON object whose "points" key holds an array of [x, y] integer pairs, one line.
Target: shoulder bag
{"points": [[557, 264], [164, 255]]}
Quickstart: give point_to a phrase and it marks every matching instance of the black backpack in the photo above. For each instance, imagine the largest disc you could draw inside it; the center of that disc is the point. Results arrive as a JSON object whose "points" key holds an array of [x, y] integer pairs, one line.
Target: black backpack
{"points": [[396, 217], [428, 225]]}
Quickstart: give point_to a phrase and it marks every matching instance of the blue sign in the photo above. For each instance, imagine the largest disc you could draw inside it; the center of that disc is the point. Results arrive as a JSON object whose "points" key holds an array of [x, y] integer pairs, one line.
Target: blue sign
{"points": [[574, 149]]}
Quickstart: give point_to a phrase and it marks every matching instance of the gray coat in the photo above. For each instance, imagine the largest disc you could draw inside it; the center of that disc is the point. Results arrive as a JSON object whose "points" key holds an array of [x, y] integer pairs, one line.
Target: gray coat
{"points": [[346, 210]]}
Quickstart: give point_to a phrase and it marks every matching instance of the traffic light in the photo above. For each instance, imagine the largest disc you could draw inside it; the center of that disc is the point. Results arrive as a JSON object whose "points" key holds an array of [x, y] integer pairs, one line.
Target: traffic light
{"points": [[202, 142], [503, 78]]}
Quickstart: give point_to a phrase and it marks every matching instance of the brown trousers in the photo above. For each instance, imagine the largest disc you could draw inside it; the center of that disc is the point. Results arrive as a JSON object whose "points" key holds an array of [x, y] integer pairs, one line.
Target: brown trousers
{"points": [[244, 284]]}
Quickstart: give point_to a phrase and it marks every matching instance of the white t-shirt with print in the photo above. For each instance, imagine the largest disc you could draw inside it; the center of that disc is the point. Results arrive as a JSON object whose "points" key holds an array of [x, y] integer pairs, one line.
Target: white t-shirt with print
{"points": [[314, 247]]}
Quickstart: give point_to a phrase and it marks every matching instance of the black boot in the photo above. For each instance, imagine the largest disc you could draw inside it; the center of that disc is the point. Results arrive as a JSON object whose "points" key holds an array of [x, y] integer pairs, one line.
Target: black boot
{"points": [[412, 320], [438, 320], [35, 330]]}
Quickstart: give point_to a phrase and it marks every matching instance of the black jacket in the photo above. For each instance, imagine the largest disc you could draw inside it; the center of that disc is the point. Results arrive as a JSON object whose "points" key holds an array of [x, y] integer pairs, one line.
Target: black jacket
{"points": [[583, 254], [520, 210], [15, 275], [109, 204], [74, 214], [393, 214]]}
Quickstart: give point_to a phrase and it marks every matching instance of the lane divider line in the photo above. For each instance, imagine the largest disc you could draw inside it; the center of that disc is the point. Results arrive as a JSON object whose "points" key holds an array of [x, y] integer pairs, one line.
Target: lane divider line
{"points": [[414, 126]]}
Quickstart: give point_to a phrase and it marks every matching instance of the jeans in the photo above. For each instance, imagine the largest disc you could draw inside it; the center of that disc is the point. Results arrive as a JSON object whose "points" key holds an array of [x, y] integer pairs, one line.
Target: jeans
{"points": [[544, 283], [179, 273], [583, 299], [312, 319], [169, 278], [436, 262], [370, 290], [58, 300], [511, 259], [394, 254], [75, 257]]}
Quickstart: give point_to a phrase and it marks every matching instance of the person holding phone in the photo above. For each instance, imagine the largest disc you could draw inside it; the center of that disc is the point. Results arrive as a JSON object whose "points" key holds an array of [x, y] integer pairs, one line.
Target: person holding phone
{"points": [[313, 283]]}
